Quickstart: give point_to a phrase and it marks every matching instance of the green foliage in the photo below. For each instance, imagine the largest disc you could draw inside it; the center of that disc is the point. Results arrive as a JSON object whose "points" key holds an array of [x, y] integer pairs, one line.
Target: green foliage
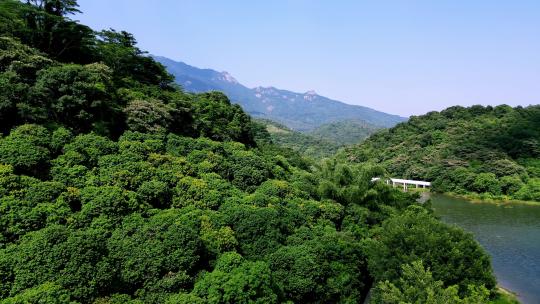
{"points": [[57, 72], [159, 252], [257, 229], [117, 299], [530, 191], [217, 240], [149, 217], [532, 165], [488, 150], [108, 201], [19, 65], [505, 297], [346, 132], [320, 264], [486, 182], [417, 285], [90, 147], [185, 298], [72, 95], [26, 149], [148, 116], [218, 119], [77, 255], [118, 50], [60, 137], [248, 170], [235, 280], [510, 184], [44, 25], [116, 187], [155, 192], [36, 209], [22, 60], [452, 255], [47, 292], [206, 193], [306, 144]]}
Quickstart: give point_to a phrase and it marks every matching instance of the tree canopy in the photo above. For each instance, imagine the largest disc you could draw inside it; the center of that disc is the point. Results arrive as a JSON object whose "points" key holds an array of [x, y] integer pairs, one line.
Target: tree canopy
{"points": [[490, 152], [118, 187]]}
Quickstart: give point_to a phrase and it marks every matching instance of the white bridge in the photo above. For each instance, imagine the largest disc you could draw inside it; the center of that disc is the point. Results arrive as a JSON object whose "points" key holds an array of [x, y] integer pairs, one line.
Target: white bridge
{"points": [[404, 182]]}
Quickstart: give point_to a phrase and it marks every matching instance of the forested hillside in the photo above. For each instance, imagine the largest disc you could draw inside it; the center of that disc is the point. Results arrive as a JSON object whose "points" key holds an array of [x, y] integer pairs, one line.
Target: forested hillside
{"points": [[323, 141], [117, 187], [305, 144], [347, 132], [490, 152]]}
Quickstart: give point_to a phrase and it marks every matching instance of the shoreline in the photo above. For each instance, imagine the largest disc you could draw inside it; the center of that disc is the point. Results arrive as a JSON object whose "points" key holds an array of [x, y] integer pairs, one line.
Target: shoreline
{"points": [[508, 295], [504, 295], [475, 199]]}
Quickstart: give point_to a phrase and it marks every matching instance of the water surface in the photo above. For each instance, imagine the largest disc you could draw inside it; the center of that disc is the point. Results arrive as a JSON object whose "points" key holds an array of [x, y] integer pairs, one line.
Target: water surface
{"points": [[511, 235]]}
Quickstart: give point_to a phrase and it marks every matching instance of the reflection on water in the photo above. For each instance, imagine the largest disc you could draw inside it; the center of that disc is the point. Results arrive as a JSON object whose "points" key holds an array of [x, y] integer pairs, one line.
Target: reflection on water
{"points": [[511, 235]]}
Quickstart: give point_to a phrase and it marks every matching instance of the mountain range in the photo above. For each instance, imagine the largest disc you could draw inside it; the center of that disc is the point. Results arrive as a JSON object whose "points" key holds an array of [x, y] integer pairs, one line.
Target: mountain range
{"points": [[298, 111]]}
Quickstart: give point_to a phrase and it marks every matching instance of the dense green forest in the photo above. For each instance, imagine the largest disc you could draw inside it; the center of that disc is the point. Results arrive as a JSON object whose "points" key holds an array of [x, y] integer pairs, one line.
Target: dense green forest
{"points": [[485, 152], [305, 144], [118, 187], [324, 141], [347, 132]]}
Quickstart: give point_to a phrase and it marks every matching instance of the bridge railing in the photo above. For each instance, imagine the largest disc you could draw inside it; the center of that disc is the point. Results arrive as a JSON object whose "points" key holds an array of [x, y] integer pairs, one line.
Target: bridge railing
{"points": [[404, 182]]}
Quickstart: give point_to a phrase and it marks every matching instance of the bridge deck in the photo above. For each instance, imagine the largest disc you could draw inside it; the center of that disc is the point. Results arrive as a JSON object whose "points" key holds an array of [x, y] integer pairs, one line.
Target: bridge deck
{"points": [[404, 182]]}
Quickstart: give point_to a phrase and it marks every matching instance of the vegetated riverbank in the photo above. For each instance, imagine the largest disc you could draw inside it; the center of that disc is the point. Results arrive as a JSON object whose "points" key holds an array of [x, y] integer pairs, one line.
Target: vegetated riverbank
{"points": [[487, 198], [505, 296], [473, 197]]}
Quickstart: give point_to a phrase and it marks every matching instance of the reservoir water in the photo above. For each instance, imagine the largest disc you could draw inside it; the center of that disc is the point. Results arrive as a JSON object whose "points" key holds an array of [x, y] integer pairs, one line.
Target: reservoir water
{"points": [[509, 232]]}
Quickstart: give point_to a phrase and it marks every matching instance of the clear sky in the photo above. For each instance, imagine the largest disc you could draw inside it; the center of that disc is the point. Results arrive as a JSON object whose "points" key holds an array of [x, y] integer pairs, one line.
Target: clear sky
{"points": [[401, 57]]}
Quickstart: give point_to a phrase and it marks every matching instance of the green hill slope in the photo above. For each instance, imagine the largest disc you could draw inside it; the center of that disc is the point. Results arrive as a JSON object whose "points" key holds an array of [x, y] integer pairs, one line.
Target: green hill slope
{"points": [[489, 150], [346, 132], [324, 141], [305, 144]]}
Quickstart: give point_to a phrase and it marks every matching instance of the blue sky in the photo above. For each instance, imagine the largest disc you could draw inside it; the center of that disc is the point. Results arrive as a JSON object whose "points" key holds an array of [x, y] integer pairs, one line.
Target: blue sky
{"points": [[401, 57]]}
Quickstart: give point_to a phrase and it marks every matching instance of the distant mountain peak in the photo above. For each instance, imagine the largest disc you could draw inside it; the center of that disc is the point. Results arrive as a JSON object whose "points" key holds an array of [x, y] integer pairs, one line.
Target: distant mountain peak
{"points": [[310, 95], [298, 111], [225, 76]]}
